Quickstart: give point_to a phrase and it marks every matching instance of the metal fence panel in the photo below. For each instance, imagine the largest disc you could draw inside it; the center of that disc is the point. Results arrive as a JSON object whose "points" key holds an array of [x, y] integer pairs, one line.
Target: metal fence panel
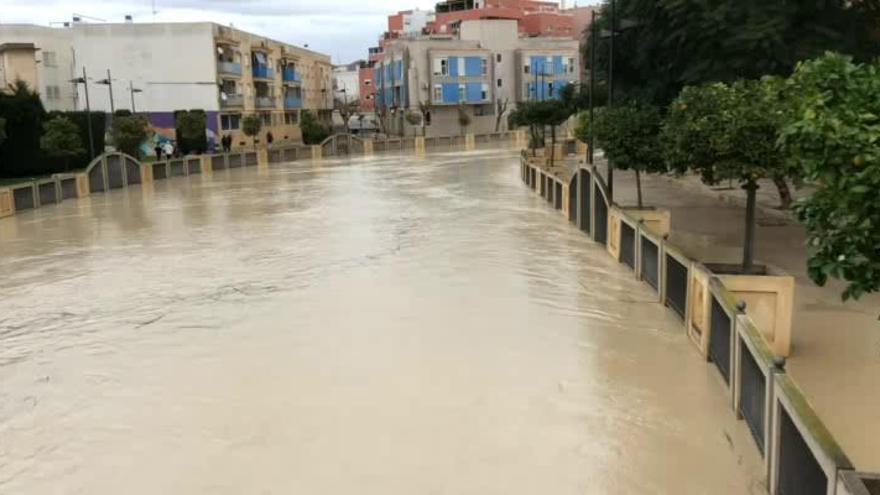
{"points": [[250, 159], [218, 162], [650, 271], [753, 394], [132, 171], [586, 204], [719, 339], [799, 471], [23, 198], [177, 168], [676, 285], [572, 199], [557, 196], [96, 178], [114, 172], [600, 218], [48, 193], [160, 171], [68, 188], [533, 181], [194, 166], [627, 245]]}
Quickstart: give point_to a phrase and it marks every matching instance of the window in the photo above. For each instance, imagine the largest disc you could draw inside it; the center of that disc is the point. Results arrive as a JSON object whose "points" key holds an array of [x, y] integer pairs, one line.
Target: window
{"points": [[570, 65], [230, 122], [291, 118], [53, 92], [444, 67], [428, 117], [499, 83], [462, 93], [498, 58], [367, 82], [438, 93], [369, 97], [550, 90], [484, 92], [266, 117], [49, 59], [482, 110], [526, 68], [484, 66]]}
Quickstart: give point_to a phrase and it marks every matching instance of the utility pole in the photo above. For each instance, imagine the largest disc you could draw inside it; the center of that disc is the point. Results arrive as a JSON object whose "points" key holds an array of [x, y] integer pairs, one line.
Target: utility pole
{"points": [[109, 83], [84, 80], [132, 90], [611, 95], [594, 38]]}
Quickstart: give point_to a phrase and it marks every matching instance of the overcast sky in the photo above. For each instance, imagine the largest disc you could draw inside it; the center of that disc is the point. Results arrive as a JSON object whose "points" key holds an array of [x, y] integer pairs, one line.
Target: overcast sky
{"points": [[343, 29]]}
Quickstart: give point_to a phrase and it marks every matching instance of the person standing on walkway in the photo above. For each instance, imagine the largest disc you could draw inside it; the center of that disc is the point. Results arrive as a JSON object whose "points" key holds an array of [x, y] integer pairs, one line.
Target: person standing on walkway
{"points": [[158, 150]]}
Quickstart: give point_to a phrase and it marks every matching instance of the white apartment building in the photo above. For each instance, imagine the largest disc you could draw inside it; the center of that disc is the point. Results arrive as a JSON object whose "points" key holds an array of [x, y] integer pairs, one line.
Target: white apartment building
{"points": [[160, 68]]}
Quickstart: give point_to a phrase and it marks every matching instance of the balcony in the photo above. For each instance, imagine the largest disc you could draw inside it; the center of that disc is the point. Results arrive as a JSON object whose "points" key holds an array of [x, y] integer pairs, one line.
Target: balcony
{"points": [[264, 102], [291, 76], [229, 68], [262, 72], [293, 102], [232, 101]]}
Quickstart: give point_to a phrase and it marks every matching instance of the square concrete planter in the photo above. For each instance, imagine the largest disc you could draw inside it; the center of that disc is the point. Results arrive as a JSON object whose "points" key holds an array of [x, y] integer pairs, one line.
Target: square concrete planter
{"points": [[7, 206], [769, 301]]}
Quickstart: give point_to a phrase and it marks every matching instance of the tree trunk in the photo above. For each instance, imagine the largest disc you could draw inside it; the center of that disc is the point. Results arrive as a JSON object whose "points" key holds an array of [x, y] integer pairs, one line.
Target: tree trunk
{"points": [[639, 187], [784, 192], [534, 141], [552, 144], [751, 188]]}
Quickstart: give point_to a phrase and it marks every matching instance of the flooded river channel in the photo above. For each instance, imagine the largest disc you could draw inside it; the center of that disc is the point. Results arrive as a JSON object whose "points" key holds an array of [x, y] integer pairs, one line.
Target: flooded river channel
{"points": [[384, 325]]}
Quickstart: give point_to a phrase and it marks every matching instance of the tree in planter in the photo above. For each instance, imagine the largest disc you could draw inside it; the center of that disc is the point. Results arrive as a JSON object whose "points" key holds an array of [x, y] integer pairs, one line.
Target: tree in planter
{"points": [[629, 135], [24, 114], [414, 119], [552, 113], [722, 132], [464, 119], [500, 110], [425, 111], [831, 138], [521, 117], [251, 125], [61, 140], [191, 127], [128, 132], [313, 132]]}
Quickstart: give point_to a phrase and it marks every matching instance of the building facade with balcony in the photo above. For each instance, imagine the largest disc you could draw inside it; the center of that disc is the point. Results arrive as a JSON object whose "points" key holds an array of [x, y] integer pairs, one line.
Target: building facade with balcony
{"points": [[226, 72], [486, 63]]}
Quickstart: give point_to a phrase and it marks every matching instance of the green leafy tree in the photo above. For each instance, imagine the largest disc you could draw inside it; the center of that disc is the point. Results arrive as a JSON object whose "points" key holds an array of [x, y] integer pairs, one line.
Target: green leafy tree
{"points": [[191, 131], [61, 140], [24, 114], [464, 119], [664, 45], [128, 132], [251, 125], [832, 138], [723, 131], [313, 131], [630, 136], [414, 119]]}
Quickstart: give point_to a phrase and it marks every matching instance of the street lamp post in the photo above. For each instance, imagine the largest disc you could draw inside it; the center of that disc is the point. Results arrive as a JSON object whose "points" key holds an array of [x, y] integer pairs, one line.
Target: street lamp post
{"points": [[593, 41], [132, 90], [109, 83], [611, 94], [84, 80]]}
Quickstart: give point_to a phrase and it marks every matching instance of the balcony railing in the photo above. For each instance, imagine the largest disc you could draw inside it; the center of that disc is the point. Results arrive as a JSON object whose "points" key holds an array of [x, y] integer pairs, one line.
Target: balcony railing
{"points": [[264, 102], [229, 68], [232, 101], [290, 75], [263, 72], [293, 102]]}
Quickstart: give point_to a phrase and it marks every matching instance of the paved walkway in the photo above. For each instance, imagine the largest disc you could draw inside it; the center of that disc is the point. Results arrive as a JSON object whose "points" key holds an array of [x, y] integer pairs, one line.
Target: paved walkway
{"points": [[835, 346]]}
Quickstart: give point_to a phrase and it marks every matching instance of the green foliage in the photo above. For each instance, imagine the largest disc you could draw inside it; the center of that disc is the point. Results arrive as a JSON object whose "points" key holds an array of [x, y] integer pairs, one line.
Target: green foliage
{"points": [[676, 43], [81, 121], [630, 136], [20, 152], [832, 138], [251, 126], [313, 132], [464, 118], [582, 128], [726, 131], [61, 139], [128, 133], [191, 128]]}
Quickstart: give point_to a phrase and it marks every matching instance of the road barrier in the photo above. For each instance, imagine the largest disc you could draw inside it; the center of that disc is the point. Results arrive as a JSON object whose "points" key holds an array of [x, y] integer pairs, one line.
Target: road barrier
{"points": [[800, 455]]}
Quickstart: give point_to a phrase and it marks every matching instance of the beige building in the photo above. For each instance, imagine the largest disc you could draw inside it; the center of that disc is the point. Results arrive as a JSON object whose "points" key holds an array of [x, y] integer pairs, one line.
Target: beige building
{"points": [[18, 62]]}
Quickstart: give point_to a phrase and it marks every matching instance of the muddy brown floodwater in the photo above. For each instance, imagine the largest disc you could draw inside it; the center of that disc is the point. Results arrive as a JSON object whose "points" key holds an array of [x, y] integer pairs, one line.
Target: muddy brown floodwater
{"points": [[385, 325]]}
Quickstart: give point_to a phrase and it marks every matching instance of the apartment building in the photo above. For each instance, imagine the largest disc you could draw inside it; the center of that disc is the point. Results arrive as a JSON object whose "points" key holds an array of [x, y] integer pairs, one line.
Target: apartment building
{"points": [[160, 68], [534, 17], [486, 62]]}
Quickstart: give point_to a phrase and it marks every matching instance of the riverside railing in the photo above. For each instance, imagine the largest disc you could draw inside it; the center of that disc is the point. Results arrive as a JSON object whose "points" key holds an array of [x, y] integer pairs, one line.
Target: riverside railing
{"points": [[800, 455]]}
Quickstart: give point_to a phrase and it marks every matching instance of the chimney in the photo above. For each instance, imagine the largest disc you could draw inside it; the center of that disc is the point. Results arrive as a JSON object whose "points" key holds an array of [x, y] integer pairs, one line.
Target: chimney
{"points": [[128, 19]]}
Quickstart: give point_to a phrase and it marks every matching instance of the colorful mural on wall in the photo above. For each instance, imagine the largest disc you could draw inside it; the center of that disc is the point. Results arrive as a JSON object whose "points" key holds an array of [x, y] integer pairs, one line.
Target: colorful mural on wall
{"points": [[163, 132]]}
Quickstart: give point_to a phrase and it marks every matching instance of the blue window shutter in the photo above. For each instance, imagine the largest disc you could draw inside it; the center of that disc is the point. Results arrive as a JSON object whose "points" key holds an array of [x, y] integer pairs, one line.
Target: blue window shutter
{"points": [[557, 65], [474, 92], [473, 66], [450, 93], [453, 66]]}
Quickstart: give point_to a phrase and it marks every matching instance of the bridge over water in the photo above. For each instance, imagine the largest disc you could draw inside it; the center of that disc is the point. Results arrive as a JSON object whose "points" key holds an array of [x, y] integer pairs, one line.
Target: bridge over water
{"points": [[378, 325]]}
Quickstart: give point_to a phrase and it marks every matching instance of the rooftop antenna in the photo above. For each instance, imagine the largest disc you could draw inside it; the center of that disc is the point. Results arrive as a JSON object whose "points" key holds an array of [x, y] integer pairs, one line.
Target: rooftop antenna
{"points": [[82, 16], [154, 11]]}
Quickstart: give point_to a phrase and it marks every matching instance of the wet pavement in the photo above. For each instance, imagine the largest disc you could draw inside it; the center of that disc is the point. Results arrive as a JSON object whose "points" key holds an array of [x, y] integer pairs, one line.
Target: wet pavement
{"points": [[385, 325]]}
